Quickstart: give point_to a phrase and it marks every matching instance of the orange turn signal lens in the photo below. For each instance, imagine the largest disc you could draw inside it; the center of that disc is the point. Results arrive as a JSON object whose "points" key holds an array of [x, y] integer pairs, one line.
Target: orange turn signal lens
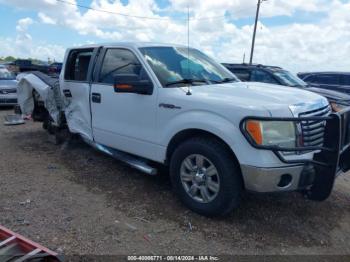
{"points": [[254, 130], [123, 86]]}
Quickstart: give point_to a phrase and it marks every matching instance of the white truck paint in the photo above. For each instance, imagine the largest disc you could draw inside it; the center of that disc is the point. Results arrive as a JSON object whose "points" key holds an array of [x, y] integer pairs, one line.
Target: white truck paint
{"points": [[145, 125]]}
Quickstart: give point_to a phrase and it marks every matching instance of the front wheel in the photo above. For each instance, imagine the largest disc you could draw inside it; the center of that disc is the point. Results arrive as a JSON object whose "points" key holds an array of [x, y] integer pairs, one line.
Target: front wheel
{"points": [[205, 177]]}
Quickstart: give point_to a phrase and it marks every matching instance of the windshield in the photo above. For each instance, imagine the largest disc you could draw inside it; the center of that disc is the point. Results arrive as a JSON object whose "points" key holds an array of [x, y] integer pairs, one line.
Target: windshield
{"points": [[289, 79], [5, 74], [178, 66]]}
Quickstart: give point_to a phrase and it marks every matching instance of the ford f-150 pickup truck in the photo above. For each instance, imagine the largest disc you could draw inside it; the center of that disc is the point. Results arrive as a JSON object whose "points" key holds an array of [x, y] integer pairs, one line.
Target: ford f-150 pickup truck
{"points": [[154, 103]]}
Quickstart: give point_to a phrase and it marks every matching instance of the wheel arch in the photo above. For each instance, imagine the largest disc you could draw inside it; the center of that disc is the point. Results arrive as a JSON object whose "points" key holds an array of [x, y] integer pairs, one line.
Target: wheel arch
{"points": [[186, 134]]}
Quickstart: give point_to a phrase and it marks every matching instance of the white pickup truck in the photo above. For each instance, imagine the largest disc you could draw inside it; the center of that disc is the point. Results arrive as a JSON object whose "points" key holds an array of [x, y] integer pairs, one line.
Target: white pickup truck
{"points": [[155, 103]]}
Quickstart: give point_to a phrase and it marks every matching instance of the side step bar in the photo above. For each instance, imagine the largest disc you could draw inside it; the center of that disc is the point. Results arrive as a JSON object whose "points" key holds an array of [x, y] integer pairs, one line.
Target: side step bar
{"points": [[133, 161]]}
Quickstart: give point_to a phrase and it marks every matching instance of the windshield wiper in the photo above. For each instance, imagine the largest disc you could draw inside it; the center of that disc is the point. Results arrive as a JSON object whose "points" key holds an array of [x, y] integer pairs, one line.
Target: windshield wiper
{"points": [[186, 81], [225, 80]]}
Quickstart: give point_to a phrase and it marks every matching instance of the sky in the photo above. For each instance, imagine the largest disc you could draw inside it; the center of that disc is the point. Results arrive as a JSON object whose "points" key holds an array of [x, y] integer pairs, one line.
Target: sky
{"points": [[299, 35]]}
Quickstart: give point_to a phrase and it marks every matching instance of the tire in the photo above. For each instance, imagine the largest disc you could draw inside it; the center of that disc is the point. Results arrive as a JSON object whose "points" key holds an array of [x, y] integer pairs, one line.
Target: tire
{"points": [[225, 197], [45, 125]]}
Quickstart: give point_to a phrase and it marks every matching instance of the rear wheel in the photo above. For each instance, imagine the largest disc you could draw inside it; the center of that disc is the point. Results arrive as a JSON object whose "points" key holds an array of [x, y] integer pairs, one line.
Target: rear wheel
{"points": [[206, 177]]}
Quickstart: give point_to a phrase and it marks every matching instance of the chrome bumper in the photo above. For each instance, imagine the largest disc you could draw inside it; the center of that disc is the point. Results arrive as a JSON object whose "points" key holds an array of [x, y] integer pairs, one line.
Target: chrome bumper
{"points": [[265, 180], [8, 100]]}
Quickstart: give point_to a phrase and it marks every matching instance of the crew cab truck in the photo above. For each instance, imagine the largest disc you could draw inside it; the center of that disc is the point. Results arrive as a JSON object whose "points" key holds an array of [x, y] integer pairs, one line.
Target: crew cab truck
{"points": [[157, 103]]}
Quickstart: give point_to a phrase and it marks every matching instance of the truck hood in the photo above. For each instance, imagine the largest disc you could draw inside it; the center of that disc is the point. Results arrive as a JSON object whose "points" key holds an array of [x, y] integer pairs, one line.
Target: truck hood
{"points": [[252, 94], [6, 84]]}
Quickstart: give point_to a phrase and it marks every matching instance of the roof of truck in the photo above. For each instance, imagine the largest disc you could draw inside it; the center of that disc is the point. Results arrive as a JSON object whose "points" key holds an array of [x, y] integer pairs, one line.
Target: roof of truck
{"points": [[129, 44], [244, 65]]}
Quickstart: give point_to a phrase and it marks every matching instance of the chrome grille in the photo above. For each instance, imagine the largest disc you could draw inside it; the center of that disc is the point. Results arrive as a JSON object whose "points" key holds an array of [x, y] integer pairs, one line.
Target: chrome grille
{"points": [[8, 101], [313, 131], [8, 91]]}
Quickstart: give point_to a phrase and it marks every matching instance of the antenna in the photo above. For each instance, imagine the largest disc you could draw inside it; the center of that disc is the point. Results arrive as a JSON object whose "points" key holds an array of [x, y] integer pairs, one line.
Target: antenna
{"points": [[188, 28], [244, 58]]}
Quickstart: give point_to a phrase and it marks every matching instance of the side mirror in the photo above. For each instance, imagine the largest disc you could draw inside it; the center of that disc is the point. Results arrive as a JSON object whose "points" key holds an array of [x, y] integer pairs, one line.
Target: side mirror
{"points": [[132, 84]]}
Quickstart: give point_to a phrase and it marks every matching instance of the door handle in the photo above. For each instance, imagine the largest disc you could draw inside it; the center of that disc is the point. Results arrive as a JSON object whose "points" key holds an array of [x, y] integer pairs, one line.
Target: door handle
{"points": [[96, 98], [67, 93]]}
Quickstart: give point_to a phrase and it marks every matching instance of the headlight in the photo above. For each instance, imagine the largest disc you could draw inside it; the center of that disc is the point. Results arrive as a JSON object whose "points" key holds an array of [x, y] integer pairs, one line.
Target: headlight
{"points": [[337, 107], [272, 133]]}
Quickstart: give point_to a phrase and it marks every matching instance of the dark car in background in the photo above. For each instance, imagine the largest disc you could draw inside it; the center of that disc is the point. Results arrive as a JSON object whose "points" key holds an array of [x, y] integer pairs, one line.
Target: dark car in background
{"points": [[279, 76], [26, 65], [336, 81], [8, 87]]}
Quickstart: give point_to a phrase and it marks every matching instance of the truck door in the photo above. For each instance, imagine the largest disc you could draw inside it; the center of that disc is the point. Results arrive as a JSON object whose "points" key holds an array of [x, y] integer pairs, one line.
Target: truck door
{"points": [[76, 90], [125, 121]]}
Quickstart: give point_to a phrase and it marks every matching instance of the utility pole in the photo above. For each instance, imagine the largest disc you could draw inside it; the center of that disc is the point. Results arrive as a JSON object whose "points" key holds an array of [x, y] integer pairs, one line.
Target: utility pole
{"points": [[254, 33]]}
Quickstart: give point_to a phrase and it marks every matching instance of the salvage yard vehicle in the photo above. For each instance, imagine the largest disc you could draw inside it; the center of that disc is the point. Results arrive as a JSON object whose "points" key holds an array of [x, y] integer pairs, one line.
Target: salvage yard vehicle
{"points": [[337, 81], [8, 87], [147, 104], [279, 76]]}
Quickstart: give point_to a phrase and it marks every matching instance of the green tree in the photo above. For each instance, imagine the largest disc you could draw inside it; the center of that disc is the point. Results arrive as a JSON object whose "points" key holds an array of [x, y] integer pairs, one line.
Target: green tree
{"points": [[9, 59]]}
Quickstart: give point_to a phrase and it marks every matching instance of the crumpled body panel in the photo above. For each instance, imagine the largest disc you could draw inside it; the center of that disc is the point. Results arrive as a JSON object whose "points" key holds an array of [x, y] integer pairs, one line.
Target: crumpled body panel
{"points": [[46, 89]]}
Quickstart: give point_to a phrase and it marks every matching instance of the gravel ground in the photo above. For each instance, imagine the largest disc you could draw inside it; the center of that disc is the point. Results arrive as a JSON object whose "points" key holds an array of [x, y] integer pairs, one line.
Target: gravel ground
{"points": [[75, 200]]}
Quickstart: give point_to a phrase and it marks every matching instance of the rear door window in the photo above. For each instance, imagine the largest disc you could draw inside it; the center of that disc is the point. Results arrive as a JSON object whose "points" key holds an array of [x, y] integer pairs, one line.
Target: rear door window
{"points": [[308, 78], [326, 79], [242, 74], [77, 66], [262, 76], [346, 80]]}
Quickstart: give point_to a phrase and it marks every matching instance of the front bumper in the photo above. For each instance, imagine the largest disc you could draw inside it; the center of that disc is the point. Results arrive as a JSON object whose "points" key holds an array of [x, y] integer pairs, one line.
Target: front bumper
{"points": [[265, 180], [315, 176], [8, 100]]}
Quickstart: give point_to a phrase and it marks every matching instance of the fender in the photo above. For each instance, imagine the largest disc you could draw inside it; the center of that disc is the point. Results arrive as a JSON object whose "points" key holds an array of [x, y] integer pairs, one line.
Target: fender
{"points": [[218, 126]]}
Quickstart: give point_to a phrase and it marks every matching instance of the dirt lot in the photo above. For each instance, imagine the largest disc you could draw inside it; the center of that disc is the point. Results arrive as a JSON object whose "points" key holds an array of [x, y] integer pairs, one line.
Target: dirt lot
{"points": [[75, 200]]}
